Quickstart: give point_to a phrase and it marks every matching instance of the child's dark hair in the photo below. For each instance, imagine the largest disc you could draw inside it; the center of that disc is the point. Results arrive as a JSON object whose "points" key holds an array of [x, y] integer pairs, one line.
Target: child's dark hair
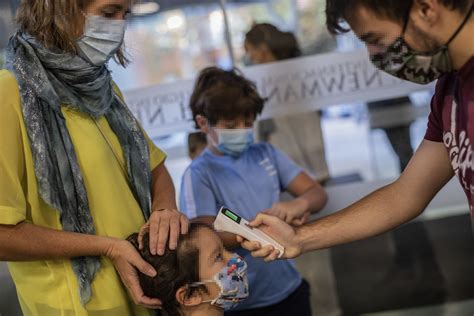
{"points": [[225, 94], [283, 45], [175, 269]]}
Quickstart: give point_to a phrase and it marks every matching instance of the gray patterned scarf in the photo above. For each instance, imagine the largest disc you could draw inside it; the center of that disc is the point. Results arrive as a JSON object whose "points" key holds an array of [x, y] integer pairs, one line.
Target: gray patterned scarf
{"points": [[48, 79]]}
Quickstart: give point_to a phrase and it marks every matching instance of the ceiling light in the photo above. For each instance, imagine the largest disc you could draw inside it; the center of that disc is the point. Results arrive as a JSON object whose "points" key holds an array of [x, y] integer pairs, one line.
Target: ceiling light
{"points": [[145, 8]]}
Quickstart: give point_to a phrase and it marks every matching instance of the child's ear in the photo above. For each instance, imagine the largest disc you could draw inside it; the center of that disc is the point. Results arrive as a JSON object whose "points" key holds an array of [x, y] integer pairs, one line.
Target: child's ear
{"points": [[202, 123], [183, 297]]}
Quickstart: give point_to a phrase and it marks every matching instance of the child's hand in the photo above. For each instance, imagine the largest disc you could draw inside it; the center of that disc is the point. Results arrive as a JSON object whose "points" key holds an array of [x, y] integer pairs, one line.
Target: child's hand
{"points": [[294, 212], [302, 220]]}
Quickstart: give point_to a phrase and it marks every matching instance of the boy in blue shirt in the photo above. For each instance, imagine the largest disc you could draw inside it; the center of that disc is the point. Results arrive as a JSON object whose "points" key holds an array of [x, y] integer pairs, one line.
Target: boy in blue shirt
{"points": [[248, 178]]}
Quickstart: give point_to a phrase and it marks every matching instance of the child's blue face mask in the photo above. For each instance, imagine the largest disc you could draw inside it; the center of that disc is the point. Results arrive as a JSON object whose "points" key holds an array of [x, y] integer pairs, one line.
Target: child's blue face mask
{"points": [[234, 142], [233, 283]]}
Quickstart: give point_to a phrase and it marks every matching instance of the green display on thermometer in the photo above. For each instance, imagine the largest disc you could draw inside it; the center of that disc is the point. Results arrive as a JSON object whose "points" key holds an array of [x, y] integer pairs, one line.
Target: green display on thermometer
{"points": [[231, 215]]}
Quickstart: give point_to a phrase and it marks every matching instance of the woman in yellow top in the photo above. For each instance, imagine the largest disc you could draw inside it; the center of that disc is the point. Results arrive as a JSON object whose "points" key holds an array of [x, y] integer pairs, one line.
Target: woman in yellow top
{"points": [[77, 173]]}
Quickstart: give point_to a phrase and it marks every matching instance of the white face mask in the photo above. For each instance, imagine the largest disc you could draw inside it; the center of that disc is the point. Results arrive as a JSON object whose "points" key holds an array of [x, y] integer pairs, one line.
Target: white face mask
{"points": [[101, 40]]}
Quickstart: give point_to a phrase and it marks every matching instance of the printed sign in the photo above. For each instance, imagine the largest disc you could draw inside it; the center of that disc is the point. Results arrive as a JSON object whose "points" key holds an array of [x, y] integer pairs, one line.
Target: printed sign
{"points": [[297, 85]]}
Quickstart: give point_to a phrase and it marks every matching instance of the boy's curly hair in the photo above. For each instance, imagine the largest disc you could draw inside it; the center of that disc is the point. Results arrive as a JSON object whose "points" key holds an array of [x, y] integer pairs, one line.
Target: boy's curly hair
{"points": [[225, 94]]}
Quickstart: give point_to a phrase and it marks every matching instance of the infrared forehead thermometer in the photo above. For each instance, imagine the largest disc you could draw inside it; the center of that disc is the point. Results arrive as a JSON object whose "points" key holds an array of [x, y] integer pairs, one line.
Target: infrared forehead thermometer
{"points": [[228, 221]]}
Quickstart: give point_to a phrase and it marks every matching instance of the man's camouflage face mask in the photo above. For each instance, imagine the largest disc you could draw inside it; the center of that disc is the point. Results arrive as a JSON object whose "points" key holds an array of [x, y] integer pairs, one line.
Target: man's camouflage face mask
{"points": [[403, 62]]}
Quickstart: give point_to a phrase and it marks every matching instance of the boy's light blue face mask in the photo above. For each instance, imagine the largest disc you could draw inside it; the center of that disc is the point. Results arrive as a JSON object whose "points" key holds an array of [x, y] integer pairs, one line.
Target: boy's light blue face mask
{"points": [[233, 142], [102, 38]]}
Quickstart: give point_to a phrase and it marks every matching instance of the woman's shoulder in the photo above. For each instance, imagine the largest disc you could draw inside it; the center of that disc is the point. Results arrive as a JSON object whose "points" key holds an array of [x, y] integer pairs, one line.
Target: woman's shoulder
{"points": [[9, 91]]}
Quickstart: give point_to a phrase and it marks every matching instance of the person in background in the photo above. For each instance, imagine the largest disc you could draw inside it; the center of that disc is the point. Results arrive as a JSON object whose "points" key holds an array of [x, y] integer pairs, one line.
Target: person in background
{"points": [[398, 132], [77, 172], [199, 278], [298, 135], [197, 142], [248, 178]]}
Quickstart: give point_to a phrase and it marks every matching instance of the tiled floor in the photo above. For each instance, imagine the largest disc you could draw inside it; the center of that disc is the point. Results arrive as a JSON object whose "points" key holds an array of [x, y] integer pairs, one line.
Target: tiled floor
{"points": [[465, 308]]}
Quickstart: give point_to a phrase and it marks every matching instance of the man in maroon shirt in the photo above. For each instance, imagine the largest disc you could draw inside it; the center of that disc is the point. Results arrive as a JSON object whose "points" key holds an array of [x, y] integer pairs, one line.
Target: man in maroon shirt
{"points": [[419, 41]]}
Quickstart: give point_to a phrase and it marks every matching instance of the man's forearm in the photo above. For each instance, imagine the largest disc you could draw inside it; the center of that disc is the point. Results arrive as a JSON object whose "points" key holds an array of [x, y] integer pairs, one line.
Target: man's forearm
{"points": [[164, 194], [28, 242], [426, 174], [379, 212]]}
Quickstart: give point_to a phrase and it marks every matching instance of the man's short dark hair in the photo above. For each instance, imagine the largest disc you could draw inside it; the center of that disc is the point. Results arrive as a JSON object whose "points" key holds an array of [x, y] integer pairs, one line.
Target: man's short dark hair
{"points": [[225, 94], [396, 10]]}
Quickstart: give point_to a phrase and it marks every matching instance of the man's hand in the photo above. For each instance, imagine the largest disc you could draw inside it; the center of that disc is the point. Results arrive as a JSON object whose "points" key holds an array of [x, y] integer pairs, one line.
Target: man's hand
{"points": [[294, 212], [127, 261], [278, 230], [161, 225]]}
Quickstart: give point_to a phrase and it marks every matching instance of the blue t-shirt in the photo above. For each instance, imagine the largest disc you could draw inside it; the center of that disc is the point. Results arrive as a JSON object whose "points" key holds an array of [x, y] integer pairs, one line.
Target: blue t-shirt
{"points": [[248, 185]]}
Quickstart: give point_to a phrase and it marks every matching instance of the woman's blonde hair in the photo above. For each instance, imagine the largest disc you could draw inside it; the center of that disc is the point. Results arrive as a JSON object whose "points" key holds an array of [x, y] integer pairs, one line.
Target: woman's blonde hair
{"points": [[55, 23]]}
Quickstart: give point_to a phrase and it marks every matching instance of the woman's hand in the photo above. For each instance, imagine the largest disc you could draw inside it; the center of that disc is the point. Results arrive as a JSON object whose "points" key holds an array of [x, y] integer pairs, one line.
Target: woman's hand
{"points": [[162, 224], [294, 212], [128, 262]]}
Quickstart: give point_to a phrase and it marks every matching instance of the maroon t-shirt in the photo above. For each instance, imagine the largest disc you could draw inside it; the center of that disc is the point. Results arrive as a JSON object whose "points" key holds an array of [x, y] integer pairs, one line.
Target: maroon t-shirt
{"points": [[452, 122]]}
